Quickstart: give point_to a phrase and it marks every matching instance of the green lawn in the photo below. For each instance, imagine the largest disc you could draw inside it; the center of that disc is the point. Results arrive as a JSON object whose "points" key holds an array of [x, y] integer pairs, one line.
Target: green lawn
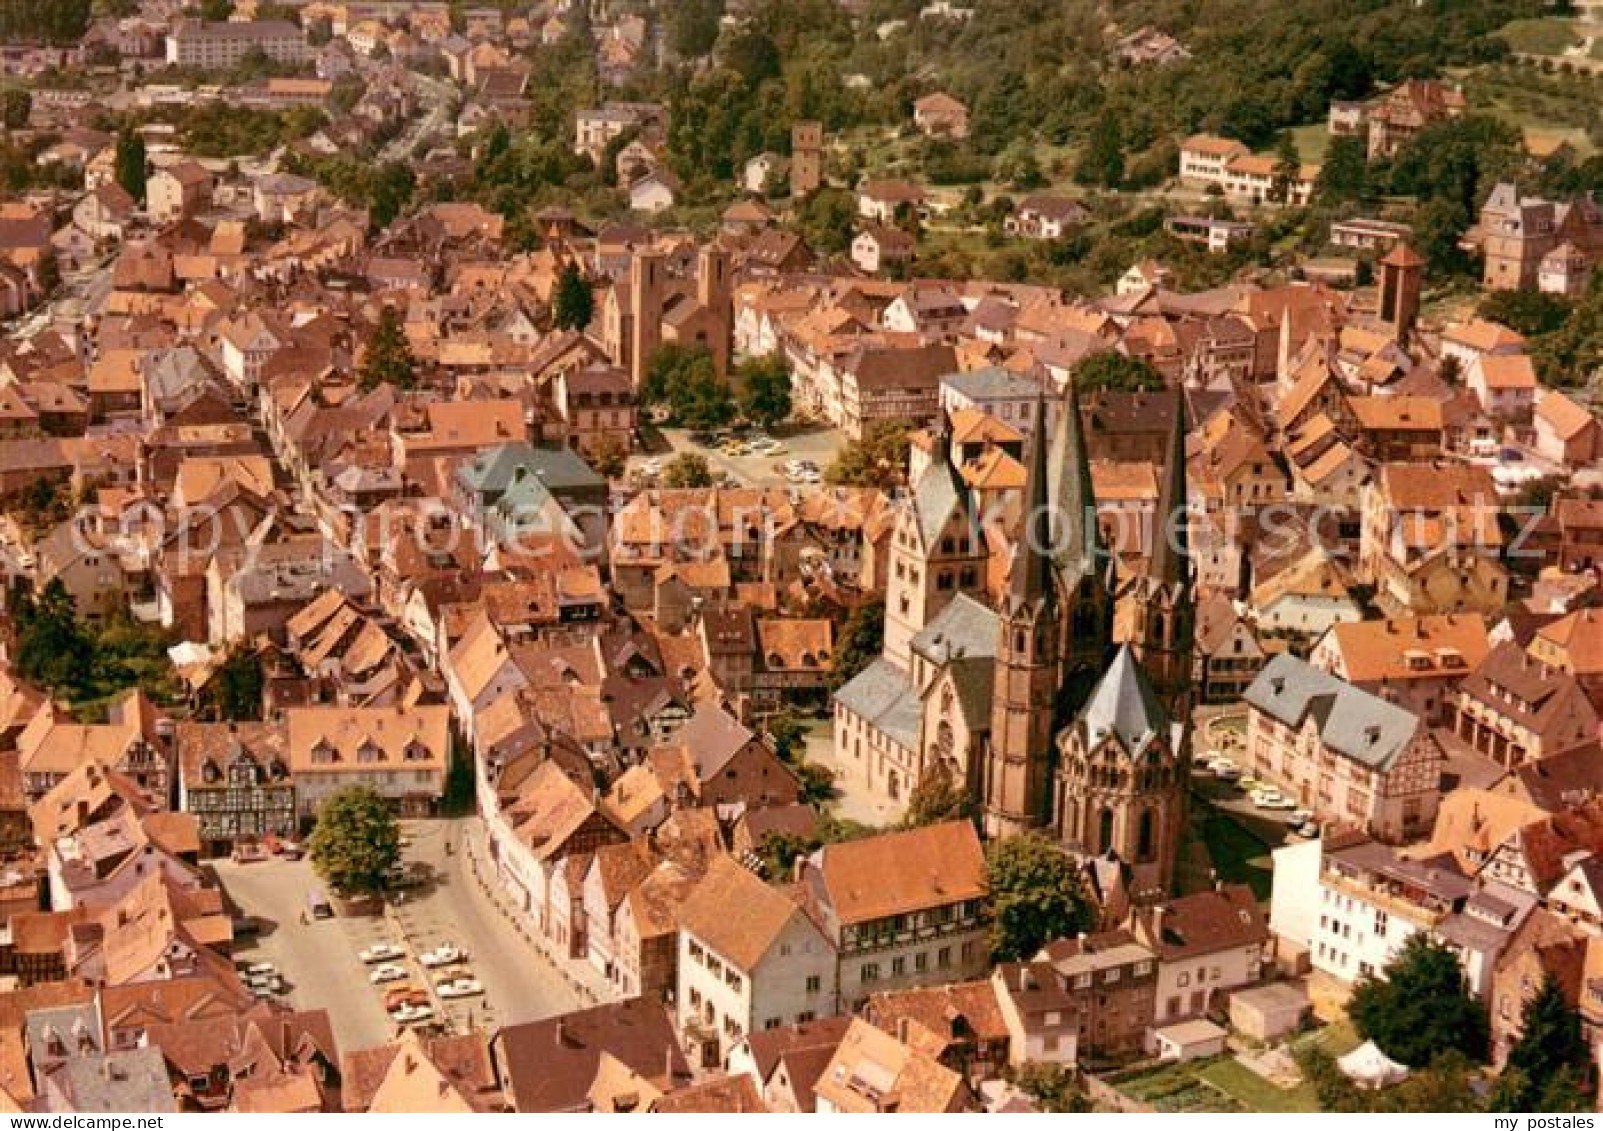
{"points": [[1546, 36], [1252, 1091], [1312, 141], [1222, 1084]]}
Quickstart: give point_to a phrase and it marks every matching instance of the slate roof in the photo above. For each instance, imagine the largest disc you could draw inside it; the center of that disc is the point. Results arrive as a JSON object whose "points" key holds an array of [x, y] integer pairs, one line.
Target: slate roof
{"points": [[1125, 705], [1352, 722], [965, 627], [882, 694]]}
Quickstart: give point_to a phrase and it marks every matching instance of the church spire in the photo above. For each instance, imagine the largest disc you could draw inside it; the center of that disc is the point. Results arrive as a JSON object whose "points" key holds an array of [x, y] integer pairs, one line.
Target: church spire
{"points": [[1030, 577], [1170, 562], [1078, 541]]}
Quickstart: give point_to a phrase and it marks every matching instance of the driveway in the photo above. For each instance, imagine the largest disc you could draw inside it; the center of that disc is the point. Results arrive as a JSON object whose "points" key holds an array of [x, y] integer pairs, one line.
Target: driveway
{"points": [[319, 959]]}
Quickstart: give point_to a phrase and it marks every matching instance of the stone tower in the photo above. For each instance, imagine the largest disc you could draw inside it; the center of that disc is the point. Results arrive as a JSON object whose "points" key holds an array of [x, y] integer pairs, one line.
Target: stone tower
{"points": [[1082, 567], [715, 294], [1016, 783], [647, 272], [1121, 783], [1162, 602], [1402, 275], [937, 551], [806, 158]]}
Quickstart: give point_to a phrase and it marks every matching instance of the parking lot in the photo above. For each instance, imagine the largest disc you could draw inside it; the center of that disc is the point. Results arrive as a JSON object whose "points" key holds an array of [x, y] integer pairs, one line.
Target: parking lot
{"points": [[816, 443], [319, 958]]}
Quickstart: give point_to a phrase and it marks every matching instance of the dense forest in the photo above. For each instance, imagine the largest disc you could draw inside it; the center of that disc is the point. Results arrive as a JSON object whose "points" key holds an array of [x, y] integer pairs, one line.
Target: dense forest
{"points": [[43, 21]]}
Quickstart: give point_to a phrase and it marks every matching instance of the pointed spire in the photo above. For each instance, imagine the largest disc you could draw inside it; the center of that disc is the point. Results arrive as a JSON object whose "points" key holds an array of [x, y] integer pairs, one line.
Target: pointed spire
{"points": [[1030, 579], [1078, 539], [1171, 553]]}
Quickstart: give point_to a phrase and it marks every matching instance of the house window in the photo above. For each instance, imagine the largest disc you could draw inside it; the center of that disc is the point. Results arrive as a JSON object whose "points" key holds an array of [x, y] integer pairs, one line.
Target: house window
{"points": [[870, 972], [814, 983]]}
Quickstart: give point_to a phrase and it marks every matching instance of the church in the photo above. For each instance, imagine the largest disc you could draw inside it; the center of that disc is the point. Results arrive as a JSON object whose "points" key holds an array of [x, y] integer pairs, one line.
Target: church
{"points": [[1010, 681]]}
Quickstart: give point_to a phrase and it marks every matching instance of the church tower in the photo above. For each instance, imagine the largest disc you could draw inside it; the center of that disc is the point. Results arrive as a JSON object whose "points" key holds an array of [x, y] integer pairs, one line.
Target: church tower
{"points": [[1122, 780], [1162, 602], [1016, 784], [937, 551], [1082, 568]]}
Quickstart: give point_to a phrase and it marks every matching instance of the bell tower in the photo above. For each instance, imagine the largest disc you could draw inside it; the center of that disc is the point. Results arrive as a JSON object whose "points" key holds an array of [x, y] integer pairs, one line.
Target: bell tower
{"points": [[1017, 780]]}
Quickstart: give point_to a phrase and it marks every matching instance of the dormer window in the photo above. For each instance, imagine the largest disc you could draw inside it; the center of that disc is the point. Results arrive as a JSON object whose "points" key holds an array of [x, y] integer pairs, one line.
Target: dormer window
{"points": [[324, 753]]}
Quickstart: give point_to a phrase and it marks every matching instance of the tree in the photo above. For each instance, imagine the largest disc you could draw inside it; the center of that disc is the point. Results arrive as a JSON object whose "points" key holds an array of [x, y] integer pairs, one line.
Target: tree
{"points": [[788, 733], [1102, 163], [1036, 896], [685, 381], [861, 640], [1550, 1044], [1288, 164], [817, 782], [609, 458], [937, 797], [388, 360], [1344, 173], [1117, 372], [130, 164], [1422, 1007], [1532, 313], [878, 459], [48, 274], [52, 648], [693, 27], [574, 304], [240, 681], [687, 470], [216, 11], [15, 106], [1053, 1088], [828, 220], [356, 841], [765, 389]]}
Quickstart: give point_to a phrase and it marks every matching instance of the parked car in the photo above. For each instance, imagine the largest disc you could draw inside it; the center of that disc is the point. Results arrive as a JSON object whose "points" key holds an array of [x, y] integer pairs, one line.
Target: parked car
{"points": [[381, 952], [412, 1014], [462, 987], [1271, 799], [389, 972], [1308, 830], [397, 996], [1300, 816], [442, 955]]}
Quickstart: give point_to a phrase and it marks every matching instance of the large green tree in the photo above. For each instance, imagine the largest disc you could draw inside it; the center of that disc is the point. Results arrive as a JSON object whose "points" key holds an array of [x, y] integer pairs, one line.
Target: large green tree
{"points": [[687, 470], [1421, 1008], [877, 459], [388, 360], [52, 648], [1551, 1048], [1102, 162], [574, 304], [861, 640], [1116, 372], [129, 163], [1036, 896], [684, 379], [238, 686], [356, 842], [764, 388]]}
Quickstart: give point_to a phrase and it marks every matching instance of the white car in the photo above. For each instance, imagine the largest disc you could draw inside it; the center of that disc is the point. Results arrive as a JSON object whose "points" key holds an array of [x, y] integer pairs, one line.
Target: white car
{"points": [[381, 952], [412, 1014], [442, 955], [1272, 799], [462, 987], [261, 968], [389, 972]]}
